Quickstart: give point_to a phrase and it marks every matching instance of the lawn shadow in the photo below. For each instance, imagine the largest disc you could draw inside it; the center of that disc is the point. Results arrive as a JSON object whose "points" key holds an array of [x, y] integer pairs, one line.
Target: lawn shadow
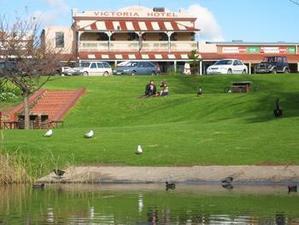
{"points": [[264, 104], [289, 102]]}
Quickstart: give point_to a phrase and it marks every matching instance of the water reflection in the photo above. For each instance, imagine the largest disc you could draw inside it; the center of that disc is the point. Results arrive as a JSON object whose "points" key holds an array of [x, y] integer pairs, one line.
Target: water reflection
{"points": [[93, 205], [140, 203]]}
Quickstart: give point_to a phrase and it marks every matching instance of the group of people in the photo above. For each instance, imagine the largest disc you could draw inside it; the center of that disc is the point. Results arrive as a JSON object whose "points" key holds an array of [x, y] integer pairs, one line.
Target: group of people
{"points": [[151, 89]]}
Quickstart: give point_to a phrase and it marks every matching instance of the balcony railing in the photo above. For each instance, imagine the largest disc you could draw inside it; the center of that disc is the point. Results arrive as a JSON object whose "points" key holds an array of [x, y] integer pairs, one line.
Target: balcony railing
{"points": [[134, 46], [129, 46], [178, 46], [154, 46], [91, 46]]}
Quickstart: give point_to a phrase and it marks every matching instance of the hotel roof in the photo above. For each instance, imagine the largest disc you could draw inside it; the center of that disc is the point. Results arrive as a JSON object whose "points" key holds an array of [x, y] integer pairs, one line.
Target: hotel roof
{"points": [[136, 25]]}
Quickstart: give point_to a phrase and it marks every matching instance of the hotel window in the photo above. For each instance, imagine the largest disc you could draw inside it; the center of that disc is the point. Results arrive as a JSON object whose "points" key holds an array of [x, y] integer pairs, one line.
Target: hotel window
{"points": [[59, 40]]}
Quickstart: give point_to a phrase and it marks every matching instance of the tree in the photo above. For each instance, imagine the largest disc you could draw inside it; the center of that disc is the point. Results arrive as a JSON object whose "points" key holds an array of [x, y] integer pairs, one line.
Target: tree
{"points": [[295, 2], [195, 59], [26, 61]]}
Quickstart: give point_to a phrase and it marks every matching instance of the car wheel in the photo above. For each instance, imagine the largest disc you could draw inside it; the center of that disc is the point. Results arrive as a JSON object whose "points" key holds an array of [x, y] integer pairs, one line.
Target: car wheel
{"points": [[244, 72], [286, 70], [106, 74], [229, 71], [85, 74], [133, 73]]}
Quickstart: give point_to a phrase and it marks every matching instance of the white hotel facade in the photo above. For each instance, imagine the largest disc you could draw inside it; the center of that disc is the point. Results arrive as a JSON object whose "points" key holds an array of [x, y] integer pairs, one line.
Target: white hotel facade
{"points": [[136, 33], [139, 33]]}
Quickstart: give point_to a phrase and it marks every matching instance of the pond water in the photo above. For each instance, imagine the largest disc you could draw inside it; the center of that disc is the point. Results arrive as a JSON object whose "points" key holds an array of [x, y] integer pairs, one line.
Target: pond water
{"points": [[147, 204]]}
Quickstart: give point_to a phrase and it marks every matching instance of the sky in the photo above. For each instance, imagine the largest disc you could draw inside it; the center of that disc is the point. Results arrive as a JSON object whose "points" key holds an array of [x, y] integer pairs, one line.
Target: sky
{"points": [[219, 20]]}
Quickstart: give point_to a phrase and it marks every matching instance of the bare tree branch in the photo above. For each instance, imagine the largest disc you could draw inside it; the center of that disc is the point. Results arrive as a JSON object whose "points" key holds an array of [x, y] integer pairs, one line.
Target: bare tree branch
{"points": [[27, 63], [294, 2]]}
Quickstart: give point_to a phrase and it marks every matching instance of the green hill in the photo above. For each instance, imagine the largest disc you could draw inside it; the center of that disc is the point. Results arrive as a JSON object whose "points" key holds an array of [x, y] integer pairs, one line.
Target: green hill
{"points": [[181, 129]]}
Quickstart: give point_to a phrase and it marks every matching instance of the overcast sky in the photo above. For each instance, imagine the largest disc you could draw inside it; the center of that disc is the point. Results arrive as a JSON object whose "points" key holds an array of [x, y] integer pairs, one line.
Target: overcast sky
{"points": [[248, 20]]}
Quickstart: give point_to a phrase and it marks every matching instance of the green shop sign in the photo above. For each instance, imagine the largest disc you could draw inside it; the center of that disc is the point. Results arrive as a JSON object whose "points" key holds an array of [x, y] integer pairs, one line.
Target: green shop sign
{"points": [[253, 50], [292, 50]]}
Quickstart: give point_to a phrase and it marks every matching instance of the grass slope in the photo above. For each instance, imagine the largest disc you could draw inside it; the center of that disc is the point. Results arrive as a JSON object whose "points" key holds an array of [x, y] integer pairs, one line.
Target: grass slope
{"points": [[181, 129]]}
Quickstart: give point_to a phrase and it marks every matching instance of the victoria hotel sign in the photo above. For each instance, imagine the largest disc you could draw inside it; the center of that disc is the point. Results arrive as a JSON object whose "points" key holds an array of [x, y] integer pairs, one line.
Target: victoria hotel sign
{"points": [[130, 13], [133, 14]]}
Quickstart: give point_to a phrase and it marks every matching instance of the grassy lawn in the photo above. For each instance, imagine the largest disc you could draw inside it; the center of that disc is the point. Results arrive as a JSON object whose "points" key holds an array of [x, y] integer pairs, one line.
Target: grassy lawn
{"points": [[181, 129]]}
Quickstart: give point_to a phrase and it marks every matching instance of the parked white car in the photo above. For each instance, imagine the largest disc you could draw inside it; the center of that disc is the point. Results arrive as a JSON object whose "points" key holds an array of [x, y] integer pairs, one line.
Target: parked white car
{"points": [[228, 66], [90, 68]]}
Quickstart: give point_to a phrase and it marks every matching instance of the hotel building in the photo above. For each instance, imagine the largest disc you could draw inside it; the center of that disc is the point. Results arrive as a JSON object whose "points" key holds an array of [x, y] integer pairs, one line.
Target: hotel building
{"points": [[157, 35], [131, 34]]}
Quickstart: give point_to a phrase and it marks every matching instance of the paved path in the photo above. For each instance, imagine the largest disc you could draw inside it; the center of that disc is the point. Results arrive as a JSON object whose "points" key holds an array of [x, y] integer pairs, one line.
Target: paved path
{"points": [[195, 174]]}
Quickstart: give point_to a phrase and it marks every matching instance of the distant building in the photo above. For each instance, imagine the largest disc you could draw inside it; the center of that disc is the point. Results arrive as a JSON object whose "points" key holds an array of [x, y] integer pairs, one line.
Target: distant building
{"points": [[139, 33], [131, 34], [250, 53]]}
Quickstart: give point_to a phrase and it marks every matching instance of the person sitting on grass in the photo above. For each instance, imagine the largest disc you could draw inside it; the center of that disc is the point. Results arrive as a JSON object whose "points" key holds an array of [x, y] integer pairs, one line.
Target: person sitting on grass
{"points": [[164, 88], [150, 89]]}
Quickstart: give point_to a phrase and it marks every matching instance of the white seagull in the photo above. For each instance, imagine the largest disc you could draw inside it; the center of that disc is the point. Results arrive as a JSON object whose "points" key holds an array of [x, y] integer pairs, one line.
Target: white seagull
{"points": [[49, 133], [139, 150], [89, 134]]}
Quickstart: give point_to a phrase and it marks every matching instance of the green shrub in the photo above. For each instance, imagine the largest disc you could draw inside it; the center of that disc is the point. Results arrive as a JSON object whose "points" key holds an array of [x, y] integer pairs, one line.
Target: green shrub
{"points": [[8, 97], [9, 93]]}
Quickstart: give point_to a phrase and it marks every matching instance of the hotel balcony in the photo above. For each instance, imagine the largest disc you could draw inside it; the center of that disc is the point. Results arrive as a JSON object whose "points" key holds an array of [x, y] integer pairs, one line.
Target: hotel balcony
{"points": [[92, 46], [128, 46], [178, 46], [135, 46]]}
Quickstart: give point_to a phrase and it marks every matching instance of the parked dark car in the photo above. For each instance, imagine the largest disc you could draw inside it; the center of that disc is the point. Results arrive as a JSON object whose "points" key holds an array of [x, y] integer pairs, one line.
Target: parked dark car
{"points": [[136, 68], [7, 67], [273, 64]]}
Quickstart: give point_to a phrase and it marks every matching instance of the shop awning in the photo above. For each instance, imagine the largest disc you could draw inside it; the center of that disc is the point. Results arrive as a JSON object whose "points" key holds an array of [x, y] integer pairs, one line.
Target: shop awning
{"points": [[136, 25], [253, 58], [163, 56]]}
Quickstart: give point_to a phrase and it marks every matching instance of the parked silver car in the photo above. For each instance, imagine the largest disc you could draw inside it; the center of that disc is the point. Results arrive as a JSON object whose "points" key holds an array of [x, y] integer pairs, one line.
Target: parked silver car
{"points": [[89, 68], [136, 68]]}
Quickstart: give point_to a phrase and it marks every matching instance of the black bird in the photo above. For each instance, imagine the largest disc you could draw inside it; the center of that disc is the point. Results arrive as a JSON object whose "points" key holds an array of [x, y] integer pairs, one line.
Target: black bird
{"points": [[227, 180], [169, 186], [278, 110], [228, 186], [292, 188], [38, 186], [59, 172]]}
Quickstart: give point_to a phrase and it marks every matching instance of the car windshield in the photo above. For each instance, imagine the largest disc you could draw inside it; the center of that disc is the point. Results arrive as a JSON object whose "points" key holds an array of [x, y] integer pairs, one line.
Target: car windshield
{"points": [[7, 65], [84, 64], [130, 64], [269, 59], [224, 62]]}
